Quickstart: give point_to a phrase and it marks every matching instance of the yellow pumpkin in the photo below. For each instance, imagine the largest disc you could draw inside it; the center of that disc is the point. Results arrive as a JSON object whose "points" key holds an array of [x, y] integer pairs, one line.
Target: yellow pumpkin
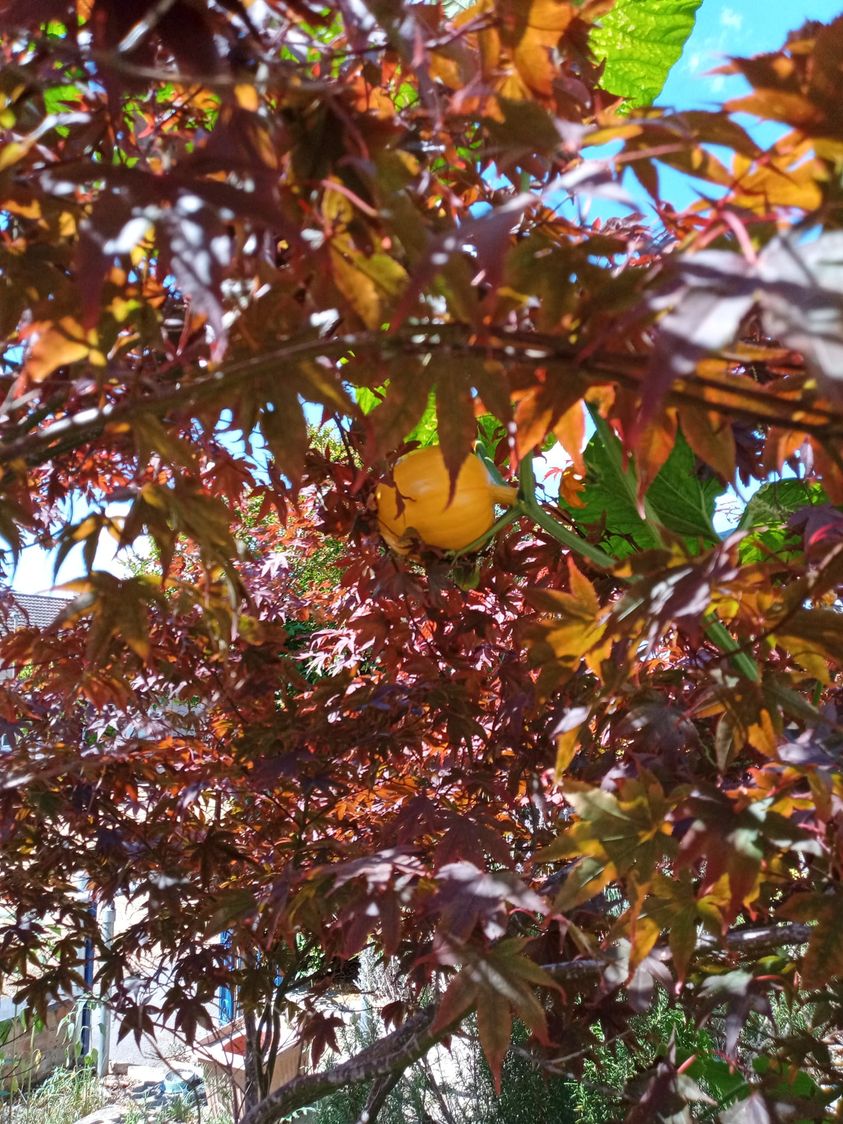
{"points": [[422, 479]]}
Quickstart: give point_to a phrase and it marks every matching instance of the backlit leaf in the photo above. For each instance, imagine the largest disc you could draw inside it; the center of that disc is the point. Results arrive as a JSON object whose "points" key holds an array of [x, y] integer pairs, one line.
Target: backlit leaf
{"points": [[680, 497], [53, 345], [640, 41]]}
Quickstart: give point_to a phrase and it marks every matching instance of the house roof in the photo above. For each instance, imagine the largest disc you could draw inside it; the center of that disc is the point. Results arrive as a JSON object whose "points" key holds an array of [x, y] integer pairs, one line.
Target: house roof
{"points": [[32, 610]]}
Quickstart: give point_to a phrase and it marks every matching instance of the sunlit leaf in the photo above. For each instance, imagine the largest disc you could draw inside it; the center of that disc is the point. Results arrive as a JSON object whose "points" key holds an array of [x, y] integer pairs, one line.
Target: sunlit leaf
{"points": [[680, 497], [640, 41]]}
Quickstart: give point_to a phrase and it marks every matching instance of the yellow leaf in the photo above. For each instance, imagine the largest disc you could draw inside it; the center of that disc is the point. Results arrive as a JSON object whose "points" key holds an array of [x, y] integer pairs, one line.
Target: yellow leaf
{"points": [[573, 630], [807, 655], [778, 105], [643, 934], [53, 345], [566, 747], [369, 284], [778, 186], [762, 735], [583, 590], [727, 608], [587, 878], [712, 905], [247, 97], [31, 209], [568, 736], [487, 39], [200, 97], [12, 152], [623, 131]]}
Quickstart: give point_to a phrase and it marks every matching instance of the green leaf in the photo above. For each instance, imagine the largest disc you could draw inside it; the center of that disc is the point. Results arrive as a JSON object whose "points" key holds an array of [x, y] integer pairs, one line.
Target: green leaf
{"points": [[790, 1083], [767, 514], [392, 413], [674, 907], [368, 399], [774, 503], [681, 501], [402, 409], [57, 99], [625, 829], [424, 431], [640, 41], [724, 1081]]}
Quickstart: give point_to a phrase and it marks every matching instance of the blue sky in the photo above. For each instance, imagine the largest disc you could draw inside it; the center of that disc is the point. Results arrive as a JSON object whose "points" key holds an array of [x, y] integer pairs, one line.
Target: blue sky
{"points": [[740, 27]]}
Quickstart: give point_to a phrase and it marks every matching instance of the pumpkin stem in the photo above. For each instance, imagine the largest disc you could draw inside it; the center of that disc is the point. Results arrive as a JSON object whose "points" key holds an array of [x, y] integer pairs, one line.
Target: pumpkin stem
{"points": [[503, 494]]}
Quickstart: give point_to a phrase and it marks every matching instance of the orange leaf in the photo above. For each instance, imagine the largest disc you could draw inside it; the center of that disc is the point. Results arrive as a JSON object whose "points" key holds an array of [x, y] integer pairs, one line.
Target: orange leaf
{"points": [[653, 446], [533, 28], [571, 487], [570, 433], [557, 392], [762, 735], [53, 345], [711, 439]]}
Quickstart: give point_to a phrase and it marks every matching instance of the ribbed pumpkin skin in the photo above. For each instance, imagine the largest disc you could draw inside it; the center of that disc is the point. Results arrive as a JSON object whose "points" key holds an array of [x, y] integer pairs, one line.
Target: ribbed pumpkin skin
{"points": [[422, 479]]}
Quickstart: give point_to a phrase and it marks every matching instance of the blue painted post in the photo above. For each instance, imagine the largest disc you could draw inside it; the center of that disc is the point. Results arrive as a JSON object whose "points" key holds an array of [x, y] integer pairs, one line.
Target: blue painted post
{"points": [[226, 995], [88, 978]]}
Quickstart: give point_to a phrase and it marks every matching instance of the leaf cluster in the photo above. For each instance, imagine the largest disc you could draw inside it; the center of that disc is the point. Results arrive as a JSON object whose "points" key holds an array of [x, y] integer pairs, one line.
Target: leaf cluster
{"points": [[599, 762]]}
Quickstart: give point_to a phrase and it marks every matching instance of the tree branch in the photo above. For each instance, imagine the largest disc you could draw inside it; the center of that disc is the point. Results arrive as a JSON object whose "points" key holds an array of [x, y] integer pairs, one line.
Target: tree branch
{"points": [[447, 1115], [396, 1051], [254, 1089], [380, 1090], [738, 942], [751, 402], [410, 1042], [757, 940]]}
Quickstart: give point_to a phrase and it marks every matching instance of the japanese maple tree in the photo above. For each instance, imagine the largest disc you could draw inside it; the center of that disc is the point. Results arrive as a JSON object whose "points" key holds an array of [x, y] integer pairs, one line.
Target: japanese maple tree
{"points": [[250, 255]]}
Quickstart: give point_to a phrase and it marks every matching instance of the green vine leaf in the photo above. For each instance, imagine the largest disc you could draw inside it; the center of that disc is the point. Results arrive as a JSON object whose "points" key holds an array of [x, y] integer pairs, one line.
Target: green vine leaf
{"points": [[679, 498], [640, 41]]}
